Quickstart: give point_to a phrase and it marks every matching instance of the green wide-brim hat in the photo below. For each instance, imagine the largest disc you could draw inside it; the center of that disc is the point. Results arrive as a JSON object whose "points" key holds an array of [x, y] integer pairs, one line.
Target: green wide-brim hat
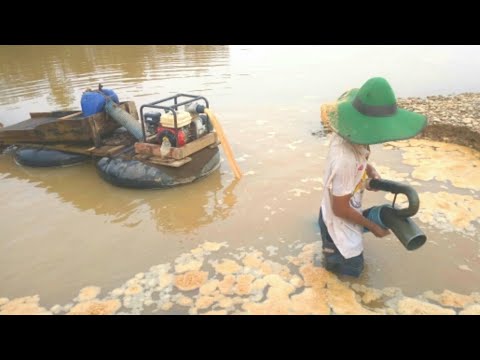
{"points": [[370, 115]]}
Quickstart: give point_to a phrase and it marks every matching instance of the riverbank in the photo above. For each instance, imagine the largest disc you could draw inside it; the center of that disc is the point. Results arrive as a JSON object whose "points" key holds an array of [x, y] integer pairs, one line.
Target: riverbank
{"points": [[453, 119]]}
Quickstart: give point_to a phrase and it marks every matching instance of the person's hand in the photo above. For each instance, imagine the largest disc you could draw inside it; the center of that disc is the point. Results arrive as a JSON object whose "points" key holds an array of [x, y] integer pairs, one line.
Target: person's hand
{"points": [[379, 231], [372, 174]]}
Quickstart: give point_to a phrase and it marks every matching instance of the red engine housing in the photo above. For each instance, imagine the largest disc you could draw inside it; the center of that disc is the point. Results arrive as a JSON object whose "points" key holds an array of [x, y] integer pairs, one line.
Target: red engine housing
{"points": [[177, 138]]}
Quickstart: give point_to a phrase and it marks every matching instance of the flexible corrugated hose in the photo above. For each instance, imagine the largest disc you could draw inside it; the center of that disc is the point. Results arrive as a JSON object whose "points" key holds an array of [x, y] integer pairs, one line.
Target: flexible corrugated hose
{"points": [[124, 119]]}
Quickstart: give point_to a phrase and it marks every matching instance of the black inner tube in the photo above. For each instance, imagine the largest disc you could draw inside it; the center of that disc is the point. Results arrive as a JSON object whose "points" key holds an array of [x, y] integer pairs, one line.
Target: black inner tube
{"points": [[38, 157], [126, 172]]}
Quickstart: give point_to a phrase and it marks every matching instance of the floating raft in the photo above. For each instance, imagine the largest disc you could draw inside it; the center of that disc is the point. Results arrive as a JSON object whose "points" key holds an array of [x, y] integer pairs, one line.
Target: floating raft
{"points": [[63, 127]]}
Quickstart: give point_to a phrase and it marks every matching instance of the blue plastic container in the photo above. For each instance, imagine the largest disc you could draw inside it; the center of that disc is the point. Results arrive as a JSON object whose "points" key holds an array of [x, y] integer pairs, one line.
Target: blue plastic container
{"points": [[93, 102], [112, 95]]}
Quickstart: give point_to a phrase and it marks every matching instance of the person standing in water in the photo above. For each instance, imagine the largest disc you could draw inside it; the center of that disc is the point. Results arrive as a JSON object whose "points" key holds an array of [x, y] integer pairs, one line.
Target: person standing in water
{"points": [[359, 118]]}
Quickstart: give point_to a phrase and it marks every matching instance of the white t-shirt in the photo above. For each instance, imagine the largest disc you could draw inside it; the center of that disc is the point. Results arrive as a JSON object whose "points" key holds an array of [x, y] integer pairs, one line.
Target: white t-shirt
{"points": [[345, 174]]}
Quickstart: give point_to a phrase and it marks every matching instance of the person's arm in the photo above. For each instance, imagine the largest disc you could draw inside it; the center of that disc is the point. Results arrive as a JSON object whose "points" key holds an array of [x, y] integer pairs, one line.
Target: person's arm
{"points": [[341, 208]]}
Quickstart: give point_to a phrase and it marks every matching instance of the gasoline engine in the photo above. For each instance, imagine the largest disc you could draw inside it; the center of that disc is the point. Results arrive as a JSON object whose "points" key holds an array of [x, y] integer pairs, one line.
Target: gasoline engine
{"points": [[190, 127]]}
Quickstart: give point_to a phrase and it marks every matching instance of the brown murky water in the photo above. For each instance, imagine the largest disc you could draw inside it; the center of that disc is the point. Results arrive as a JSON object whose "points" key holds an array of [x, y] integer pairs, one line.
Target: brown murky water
{"points": [[64, 229]]}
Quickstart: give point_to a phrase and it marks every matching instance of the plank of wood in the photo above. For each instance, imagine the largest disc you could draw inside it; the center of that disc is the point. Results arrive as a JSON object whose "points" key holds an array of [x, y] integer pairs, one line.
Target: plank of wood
{"points": [[97, 140], [67, 148], [151, 138], [12, 138], [71, 116], [181, 152], [217, 144], [115, 149], [101, 151], [141, 156], [126, 149], [39, 114], [146, 148], [194, 146], [77, 149]]}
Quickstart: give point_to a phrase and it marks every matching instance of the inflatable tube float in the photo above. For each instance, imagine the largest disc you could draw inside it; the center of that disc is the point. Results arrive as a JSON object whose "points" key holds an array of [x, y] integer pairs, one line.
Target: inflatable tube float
{"points": [[37, 157], [138, 174]]}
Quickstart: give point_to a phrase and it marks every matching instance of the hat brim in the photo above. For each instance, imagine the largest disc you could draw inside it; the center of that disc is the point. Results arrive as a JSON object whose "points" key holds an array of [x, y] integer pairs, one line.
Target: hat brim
{"points": [[358, 128]]}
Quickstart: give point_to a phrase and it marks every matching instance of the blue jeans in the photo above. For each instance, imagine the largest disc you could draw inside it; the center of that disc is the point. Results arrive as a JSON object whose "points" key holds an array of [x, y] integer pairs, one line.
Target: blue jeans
{"points": [[334, 260]]}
